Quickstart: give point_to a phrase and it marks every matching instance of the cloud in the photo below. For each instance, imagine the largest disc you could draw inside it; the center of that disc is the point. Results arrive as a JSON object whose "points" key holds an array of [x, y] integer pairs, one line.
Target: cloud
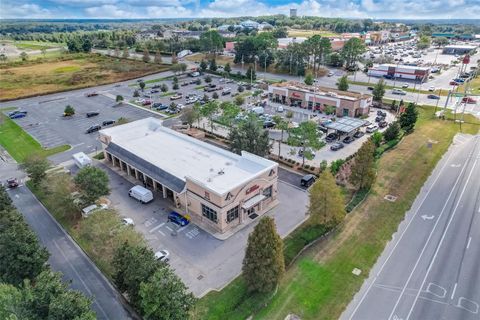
{"points": [[110, 11], [30, 10]]}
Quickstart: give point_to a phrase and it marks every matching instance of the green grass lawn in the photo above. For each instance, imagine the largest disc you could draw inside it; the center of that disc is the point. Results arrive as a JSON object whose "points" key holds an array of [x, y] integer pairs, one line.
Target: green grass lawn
{"points": [[321, 284], [20, 144]]}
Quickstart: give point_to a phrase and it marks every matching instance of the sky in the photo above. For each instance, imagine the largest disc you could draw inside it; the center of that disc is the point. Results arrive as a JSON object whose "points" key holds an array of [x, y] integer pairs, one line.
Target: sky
{"points": [[141, 9]]}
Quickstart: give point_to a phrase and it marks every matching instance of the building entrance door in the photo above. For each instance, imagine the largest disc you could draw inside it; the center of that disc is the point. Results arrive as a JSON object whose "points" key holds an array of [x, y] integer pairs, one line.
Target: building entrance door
{"points": [[251, 211]]}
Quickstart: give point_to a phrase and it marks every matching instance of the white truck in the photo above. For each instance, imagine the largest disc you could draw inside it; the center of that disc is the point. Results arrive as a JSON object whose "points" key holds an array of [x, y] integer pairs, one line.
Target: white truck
{"points": [[141, 194], [82, 160]]}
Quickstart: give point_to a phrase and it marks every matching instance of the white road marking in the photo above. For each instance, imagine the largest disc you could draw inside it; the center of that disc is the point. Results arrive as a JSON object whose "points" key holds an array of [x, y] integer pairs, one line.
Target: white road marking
{"points": [[443, 238], [400, 238], [469, 240], [453, 292], [159, 226], [169, 228], [425, 217], [432, 287], [181, 229], [160, 231], [472, 304]]}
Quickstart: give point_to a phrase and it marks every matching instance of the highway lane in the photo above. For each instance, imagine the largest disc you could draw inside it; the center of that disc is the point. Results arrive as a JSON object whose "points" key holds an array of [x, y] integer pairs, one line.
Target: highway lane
{"points": [[65, 255], [430, 269]]}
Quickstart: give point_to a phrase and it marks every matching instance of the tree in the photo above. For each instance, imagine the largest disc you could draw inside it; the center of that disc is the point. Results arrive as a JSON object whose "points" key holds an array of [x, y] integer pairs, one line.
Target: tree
{"points": [[215, 95], [5, 201], [175, 86], [250, 74], [157, 58], [142, 85], [21, 256], [363, 171], [71, 305], [281, 125], [164, 87], [208, 110], [227, 68], [309, 79], [423, 42], [146, 55], [239, 100], [203, 65], [280, 32], [208, 79], [136, 94], [263, 265], [174, 301], [24, 56], [343, 83], [377, 138], [307, 137], [326, 201], [351, 51], [240, 89], [251, 137], [12, 306], [119, 98], [92, 182], [116, 52], [440, 41], [213, 65], [183, 67], [132, 265], [69, 111], [36, 167], [211, 41], [174, 58], [318, 47], [392, 132], [408, 118], [189, 116], [378, 90], [335, 60], [125, 53], [3, 57], [175, 80]]}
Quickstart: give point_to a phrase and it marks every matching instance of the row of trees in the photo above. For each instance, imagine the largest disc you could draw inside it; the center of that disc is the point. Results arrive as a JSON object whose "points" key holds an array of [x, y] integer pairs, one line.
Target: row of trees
{"points": [[29, 289]]}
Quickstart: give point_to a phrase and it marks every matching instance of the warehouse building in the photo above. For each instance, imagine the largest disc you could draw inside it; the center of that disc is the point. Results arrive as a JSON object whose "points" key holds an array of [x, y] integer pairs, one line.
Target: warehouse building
{"points": [[458, 49], [400, 72], [218, 190], [316, 98]]}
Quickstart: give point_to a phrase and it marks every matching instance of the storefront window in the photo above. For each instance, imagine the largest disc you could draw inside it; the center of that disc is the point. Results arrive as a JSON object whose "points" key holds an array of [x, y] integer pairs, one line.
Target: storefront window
{"points": [[267, 192], [232, 214], [209, 213]]}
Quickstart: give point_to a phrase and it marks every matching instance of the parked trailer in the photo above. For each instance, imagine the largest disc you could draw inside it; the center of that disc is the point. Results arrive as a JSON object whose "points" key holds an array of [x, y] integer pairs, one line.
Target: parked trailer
{"points": [[82, 160]]}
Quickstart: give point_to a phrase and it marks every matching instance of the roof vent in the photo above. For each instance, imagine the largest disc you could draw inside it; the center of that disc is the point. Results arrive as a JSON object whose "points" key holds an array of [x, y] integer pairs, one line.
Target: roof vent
{"points": [[211, 169], [221, 172], [228, 163]]}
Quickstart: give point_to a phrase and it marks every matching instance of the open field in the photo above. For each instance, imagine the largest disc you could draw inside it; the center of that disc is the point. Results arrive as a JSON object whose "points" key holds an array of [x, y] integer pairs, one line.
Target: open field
{"points": [[474, 86], [20, 144], [220, 59], [35, 45], [308, 33], [67, 72], [321, 283]]}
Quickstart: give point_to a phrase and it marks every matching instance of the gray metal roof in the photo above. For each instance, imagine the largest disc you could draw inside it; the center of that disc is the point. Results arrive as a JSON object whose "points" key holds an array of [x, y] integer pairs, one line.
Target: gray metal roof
{"points": [[170, 181], [346, 124]]}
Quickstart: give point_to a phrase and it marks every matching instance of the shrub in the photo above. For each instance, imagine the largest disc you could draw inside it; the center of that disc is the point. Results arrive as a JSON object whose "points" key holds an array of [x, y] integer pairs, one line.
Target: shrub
{"points": [[301, 237]]}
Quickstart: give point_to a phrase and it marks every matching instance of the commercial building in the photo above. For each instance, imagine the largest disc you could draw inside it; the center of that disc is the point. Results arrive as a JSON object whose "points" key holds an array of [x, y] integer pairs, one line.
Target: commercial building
{"points": [[293, 13], [400, 72], [316, 98], [219, 190], [458, 49]]}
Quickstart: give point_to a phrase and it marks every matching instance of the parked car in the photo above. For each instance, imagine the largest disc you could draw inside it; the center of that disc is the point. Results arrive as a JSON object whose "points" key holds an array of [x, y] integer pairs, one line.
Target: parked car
{"points": [[91, 94], [185, 83], [157, 86], [18, 115], [146, 102], [12, 183], [92, 114], [454, 83], [128, 221], [330, 74], [431, 88], [226, 91], [108, 123], [162, 255], [195, 74], [381, 113], [307, 180], [154, 91], [141, 194], [433, 96], [177, 218], [370, 88], [11, 113], [405, 85], [268, 124], [372, 128], [382, 124], [459, 80], [399, 91], [469, 100], [94, 128], [336, 146], [379, 118], [92, 208], [279, 109], [159, 106], [358, 134], [331, 137], [176, 96], [348, 139], [388, 76]]}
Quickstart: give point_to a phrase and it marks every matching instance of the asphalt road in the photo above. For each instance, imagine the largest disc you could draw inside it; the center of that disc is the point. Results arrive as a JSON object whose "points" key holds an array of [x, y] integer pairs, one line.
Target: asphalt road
{"points": [[430, 270], [65, 255]]}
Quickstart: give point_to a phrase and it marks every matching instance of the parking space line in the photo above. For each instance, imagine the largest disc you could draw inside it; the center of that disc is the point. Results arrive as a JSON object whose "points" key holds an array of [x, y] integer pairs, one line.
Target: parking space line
{"points": [[181, 229], [160, 231], [157, 227], [169, 228]]}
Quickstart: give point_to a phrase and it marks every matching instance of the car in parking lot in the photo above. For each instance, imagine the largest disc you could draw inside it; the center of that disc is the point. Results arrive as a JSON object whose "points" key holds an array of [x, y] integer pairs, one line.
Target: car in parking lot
{"points": [[92, 114], [372, 128], [433, 96], [268, 124], [146, 102], [162, 255], [159, 106], [469, 100], [128, 221], [17, 114], [405, 85], [358, 134], [379, 118], [226, 91], [336, 146], [91, 94], [93, 128], [330, 74], [370, 88], [307, 180], [157, 86], [331, 137], [454, 83], [108, 123], [459, 80], [154, 91], [176, 96], [348, 139], [388, 76], [381, 113], [12, 183], [177, 218], [382, 124], [431, 88], [399, 91]]}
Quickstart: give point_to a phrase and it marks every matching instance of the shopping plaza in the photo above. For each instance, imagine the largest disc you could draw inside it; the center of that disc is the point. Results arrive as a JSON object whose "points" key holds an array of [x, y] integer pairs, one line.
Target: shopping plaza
{"points": [[217, 189]]}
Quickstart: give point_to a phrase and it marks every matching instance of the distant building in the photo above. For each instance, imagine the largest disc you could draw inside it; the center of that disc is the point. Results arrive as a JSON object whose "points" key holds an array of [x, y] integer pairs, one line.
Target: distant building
{"points": [[230, 46], [183, 54], [249, 24], [458, 49], [265, 26], [316, 98], [283, 43], [400, 72], [293, 13]]}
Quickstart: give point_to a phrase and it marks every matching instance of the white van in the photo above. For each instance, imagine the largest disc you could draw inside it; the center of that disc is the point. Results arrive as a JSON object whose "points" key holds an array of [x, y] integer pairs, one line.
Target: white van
{"points": [[82, 160], [258, 110], [141, 194]]}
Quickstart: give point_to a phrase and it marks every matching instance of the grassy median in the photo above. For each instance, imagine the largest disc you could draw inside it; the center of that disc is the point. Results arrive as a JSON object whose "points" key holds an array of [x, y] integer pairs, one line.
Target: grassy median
{"points": [[19, 143], [321, 284]]}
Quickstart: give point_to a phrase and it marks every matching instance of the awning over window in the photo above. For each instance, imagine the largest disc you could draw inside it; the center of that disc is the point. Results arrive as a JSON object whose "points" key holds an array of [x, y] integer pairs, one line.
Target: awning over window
{"points": [[253, 201]]}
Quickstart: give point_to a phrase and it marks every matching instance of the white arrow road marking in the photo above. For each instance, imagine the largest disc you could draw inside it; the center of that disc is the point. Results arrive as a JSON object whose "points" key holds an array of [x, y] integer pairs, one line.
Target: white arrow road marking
{"points": [[425, 217]]}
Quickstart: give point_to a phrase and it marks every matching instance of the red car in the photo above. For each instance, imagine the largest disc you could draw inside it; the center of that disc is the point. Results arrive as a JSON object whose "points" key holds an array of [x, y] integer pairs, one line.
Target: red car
{"points": [[453, 83], [469, 100], [147, 102], [91, 94]]}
